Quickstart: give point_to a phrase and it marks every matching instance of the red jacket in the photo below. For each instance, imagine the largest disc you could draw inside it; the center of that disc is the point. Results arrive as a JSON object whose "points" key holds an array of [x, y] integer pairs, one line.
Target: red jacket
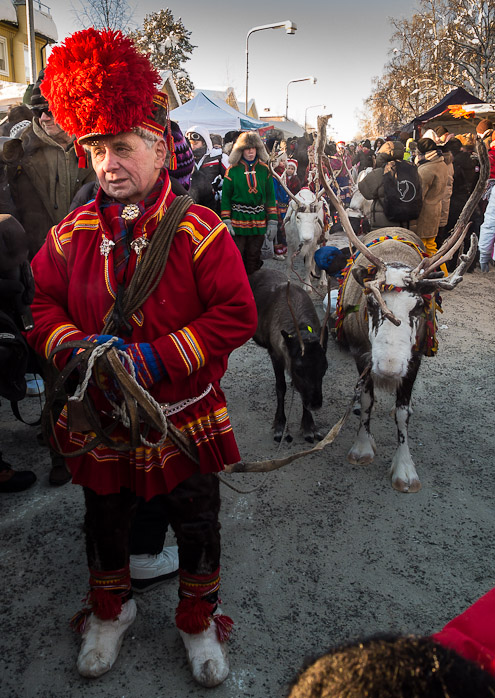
{"points": [[201, 310]]}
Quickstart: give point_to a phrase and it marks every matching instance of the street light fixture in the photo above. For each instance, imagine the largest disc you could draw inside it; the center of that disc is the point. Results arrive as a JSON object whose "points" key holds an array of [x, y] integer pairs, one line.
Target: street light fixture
{"points": [[290, 28], [306, 113], [313, 81]]}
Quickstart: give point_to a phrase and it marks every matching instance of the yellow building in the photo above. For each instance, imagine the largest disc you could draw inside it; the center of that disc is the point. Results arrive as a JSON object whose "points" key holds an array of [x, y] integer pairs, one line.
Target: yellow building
{"points": [[14, 56]]}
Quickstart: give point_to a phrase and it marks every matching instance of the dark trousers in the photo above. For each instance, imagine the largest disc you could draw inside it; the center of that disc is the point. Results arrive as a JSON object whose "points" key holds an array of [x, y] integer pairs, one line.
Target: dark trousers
{"points": [[250, 248], [192, 509]]}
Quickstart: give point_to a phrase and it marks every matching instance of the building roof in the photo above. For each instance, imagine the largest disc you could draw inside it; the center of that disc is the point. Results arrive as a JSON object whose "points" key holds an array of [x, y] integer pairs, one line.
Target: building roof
{"points": [[44, 25]]}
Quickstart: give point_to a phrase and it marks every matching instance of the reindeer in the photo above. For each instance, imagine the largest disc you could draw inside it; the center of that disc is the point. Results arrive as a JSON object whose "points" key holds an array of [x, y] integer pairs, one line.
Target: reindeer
{"points": [[386, 311], [303, 223], [289, 328]]}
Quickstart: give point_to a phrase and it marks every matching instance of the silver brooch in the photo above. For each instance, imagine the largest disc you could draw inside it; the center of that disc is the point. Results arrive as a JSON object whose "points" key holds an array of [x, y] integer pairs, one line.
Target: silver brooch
{"points": [[106, 246], [139, 244], [130, 212]]}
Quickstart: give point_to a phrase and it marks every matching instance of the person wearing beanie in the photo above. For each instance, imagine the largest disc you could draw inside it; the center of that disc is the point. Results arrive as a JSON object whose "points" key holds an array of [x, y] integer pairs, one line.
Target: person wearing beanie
{"points": [[434, 176], [248, 199], [43, 174], [157, 281], [210, 165]]}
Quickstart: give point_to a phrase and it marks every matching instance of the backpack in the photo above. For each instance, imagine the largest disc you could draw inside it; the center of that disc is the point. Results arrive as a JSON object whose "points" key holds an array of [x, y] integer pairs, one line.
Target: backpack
{"points": [[403, 197]]}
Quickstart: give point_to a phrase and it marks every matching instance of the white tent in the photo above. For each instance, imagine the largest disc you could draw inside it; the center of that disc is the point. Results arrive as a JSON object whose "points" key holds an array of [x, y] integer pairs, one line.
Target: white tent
{"points": [[214, 114]]}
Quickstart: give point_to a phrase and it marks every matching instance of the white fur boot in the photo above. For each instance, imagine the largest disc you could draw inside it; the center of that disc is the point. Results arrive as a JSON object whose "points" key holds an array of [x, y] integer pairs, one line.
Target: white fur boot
{"points": [[207, 656], [102, 640]]}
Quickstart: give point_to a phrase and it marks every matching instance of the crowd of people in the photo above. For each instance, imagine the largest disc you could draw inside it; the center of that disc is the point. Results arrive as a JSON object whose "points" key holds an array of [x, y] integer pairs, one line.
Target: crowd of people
{"points": [[105, 195]]}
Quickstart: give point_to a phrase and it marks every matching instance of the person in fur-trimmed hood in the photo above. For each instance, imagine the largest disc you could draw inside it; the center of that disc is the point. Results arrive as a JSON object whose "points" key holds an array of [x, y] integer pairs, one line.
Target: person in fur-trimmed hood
{"points": [[248, 199]]}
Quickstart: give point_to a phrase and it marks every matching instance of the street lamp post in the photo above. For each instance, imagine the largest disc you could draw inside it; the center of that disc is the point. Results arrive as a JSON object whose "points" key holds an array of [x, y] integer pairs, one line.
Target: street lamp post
{"points": [[290, 28], [306, 113], [313, 80]]}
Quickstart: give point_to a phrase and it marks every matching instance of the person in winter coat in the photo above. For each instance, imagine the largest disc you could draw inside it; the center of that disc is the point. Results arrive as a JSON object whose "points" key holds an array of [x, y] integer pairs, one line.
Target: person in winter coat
{"points": [[434, 176], [177, 338], [210, 167], [248, 199], [371, 186], [485, 131], [487, 235], [341, 164], [43, 172], [364, 156]]}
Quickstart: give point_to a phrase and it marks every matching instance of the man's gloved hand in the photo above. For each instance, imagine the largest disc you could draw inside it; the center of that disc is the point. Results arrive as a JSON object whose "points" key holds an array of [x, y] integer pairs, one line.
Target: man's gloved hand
{"points": [[147, 363], [485, 266], [103, 338], [271, 230], [229, 225]]}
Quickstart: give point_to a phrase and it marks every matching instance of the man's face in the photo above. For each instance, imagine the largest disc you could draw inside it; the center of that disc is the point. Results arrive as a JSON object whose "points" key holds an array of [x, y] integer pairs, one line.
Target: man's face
{"points": [[126, 167], [249, 154], [49, 125], [195, 141]]}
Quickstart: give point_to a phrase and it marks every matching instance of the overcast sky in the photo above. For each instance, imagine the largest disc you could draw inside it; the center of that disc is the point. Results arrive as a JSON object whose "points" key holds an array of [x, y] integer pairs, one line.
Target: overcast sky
{"points": [[342, 44]]}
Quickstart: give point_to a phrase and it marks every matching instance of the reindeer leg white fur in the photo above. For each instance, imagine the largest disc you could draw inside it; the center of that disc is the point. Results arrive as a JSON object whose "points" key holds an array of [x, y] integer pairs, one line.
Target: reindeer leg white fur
{"points": [[207, 656], [363, 450], [403, 471], [102, 640]]}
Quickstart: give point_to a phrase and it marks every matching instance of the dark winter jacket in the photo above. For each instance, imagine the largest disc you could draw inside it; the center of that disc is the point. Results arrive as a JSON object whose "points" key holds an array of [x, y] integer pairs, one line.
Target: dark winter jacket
{"points": [[43, 178]]}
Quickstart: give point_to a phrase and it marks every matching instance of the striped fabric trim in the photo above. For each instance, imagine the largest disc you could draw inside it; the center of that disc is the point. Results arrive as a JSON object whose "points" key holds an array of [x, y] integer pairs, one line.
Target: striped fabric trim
{"points": [[198, 585], [207, 241], [60, 334], [244, 208], [189, 348], [260, 223]]}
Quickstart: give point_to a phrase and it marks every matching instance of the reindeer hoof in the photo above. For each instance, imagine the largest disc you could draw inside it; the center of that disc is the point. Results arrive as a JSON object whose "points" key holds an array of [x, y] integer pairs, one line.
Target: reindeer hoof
{"points": [[406, 487], [278, 438], [309, 439], [365, 459]]}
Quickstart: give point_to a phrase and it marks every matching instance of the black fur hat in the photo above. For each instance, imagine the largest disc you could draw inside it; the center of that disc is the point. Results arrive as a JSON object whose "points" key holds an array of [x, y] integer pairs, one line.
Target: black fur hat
{"points": [[13, 244]]}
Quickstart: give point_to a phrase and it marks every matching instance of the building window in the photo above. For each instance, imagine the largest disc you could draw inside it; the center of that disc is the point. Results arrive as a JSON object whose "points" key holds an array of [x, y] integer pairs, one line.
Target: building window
{"points": [[4, 57]]}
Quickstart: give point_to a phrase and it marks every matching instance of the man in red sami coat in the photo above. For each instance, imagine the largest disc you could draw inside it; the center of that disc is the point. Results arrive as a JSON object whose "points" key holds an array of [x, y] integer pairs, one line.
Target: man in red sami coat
{"points": [[178, 342]]}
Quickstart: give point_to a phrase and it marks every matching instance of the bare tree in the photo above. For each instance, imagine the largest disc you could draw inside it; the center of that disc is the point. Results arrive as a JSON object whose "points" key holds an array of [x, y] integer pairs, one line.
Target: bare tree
{"points": [[104, 14], [448, 43]]}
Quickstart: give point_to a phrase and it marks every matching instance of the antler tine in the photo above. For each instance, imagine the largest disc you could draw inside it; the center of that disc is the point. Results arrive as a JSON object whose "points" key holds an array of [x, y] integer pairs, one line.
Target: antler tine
{"points": [[450, 282], [455, 239], [296, 324], [277, 177], [344, 219], [373, 287]]}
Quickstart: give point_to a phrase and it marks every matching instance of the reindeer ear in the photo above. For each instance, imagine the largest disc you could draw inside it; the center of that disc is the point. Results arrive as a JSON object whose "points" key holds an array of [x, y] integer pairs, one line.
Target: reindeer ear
{"points": [[360, 273]]}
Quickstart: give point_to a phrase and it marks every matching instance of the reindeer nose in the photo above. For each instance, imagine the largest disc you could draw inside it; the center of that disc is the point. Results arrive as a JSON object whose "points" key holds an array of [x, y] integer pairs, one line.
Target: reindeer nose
{"points": [[389, 367]]}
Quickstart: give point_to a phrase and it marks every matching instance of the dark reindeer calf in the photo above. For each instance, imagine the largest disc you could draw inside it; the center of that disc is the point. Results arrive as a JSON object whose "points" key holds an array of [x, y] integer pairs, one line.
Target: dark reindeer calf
{"points": [[289, 328]]}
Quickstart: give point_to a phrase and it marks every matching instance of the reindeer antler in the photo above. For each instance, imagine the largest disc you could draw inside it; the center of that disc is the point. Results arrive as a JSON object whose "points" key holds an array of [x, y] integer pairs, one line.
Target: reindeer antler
{"points": [[344, 218]]}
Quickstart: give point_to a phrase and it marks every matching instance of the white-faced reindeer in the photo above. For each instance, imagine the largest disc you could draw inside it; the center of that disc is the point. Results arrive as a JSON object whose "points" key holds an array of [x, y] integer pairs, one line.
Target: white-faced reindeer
{"points": [[289, 328], [387, 308], [304, 224]]}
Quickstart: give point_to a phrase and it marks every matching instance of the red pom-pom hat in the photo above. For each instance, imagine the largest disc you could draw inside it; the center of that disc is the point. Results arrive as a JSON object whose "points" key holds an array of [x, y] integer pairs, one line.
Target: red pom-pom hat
{"points": [[98, 84]]}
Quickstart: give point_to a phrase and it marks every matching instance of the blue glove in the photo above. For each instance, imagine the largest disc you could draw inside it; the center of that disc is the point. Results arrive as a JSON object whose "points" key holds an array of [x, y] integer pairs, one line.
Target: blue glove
{"points": [[148, 365]]}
